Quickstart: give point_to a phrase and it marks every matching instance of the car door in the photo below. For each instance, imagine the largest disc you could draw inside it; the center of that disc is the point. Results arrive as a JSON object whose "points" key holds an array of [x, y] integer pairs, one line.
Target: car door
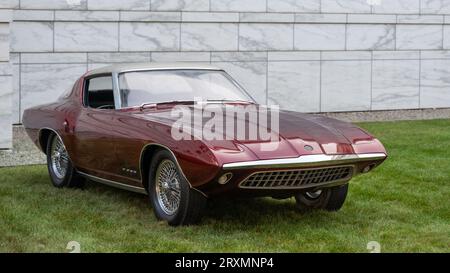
{"points": [[92, 132]]}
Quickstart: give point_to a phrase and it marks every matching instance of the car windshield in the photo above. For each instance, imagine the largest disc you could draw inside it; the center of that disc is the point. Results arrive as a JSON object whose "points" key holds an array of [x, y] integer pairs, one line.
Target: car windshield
{"points": [[157, 86]]}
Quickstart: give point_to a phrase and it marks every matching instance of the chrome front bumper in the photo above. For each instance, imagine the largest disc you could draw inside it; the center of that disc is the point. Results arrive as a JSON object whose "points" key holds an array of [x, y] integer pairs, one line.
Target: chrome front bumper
{"points": [[305, 161]]}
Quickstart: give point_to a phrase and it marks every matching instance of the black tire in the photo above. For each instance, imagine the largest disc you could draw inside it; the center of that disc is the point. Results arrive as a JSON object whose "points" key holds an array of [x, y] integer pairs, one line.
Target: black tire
{"points": [[70, 178], [191, 202], [330, 199]]}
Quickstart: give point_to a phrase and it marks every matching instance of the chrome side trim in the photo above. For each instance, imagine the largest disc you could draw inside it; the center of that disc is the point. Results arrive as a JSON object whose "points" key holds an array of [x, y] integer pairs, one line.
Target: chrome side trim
{"points": [[304, 161], [176, 161], [114, 183]]}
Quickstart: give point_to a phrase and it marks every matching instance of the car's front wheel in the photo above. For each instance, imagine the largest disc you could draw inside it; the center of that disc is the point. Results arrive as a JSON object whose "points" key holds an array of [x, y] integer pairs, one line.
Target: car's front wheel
{"points": [[59, 165], [330, 199], [172, 198]]}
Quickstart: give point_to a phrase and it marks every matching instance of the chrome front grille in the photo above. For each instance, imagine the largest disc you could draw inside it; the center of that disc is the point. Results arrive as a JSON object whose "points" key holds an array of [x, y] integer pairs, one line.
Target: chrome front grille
{"points": [[291, 179]]}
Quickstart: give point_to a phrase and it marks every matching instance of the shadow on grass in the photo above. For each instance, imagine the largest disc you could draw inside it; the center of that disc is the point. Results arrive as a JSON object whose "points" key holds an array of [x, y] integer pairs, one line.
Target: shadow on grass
{"points": [[240, 211]]}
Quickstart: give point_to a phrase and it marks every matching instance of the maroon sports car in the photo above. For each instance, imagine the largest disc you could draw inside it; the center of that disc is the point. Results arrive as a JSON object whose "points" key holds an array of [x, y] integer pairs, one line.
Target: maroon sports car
{"points": [[116, 124]]}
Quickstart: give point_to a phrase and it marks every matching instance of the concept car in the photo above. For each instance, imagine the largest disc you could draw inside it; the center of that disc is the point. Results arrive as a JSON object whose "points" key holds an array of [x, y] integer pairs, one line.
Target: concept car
{"points": [[116, 125]]}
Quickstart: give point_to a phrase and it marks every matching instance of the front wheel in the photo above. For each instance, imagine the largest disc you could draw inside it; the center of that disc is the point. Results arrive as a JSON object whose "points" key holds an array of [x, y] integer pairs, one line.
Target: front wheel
{"points": [[60, 168], [330, 199], [172, 197]]}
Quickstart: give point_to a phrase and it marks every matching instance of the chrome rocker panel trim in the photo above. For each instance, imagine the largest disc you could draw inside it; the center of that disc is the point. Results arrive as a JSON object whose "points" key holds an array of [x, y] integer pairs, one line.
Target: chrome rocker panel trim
{"points": [[114, 183], [304, 161]]}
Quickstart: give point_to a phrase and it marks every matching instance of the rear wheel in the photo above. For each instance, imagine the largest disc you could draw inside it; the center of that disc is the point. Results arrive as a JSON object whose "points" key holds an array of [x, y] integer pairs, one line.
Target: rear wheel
{"points": [[60, 168], [330, 199], [172, 198]]}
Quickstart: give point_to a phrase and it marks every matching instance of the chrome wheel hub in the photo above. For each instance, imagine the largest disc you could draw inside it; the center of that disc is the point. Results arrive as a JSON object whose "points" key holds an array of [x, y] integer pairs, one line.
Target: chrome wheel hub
{"points": [[313, 194], [168, 192], [59, 158]]}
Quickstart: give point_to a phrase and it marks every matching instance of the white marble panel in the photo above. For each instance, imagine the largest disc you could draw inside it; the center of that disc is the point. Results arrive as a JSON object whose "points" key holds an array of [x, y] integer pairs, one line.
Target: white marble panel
{"points": [[372, 18], [92, 66], [119, 4], [5, 69], [319, 37], [294, 56], [15, 118], [238, 5], [181, 57], [149, 36], [435, 83], [43, 83], [251, 75], [346, 55], [295, 85], [420, 19], [209, 36], [86, 36], [9, 4], [345, 86], [53, 4], [396, 55], [398, 7], [435, 54], [266, 37], [14, 58], [46, 58], [370, 37], [321, 18], [395, 84], [119, 57], [33, 15], [256, 17], [293, 5], [239, 56], [6, 15], [435, 7], [31, 36], [346, 6], [150, 16], [4, 42], [5, 112], [83, 15], [188, 5], [446, 42], [419, 37], [228, 17]]}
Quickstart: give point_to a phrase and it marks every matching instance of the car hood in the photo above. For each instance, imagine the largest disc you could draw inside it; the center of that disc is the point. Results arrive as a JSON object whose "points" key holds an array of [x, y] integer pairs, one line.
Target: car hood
{"points": [[299, 134]]}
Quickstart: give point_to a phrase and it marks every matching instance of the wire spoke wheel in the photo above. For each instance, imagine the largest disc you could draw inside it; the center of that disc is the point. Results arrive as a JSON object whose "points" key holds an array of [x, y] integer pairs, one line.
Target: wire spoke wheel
{"points": [[168, 190], [59, 158]]}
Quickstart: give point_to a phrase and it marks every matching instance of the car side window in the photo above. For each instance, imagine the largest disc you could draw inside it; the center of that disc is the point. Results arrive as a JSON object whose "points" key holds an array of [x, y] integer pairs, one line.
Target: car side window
{"points": [[99, 93]]}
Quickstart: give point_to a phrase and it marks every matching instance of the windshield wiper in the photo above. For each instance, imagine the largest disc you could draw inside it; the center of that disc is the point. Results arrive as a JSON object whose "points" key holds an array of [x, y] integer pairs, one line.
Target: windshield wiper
{"points": [[156, 104]]}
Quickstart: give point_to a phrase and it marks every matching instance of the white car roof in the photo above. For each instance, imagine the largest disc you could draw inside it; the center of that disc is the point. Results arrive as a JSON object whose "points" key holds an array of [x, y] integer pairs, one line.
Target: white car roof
{"points": [[118, 68]]}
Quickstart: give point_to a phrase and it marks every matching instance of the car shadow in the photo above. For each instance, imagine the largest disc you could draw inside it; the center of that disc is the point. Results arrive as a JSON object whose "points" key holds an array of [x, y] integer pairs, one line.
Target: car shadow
{"points": [[228, 211]]}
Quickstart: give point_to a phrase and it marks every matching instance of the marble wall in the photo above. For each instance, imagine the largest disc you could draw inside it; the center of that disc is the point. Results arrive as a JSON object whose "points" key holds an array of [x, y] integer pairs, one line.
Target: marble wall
{"points": [[305, 55], [6, 79]]}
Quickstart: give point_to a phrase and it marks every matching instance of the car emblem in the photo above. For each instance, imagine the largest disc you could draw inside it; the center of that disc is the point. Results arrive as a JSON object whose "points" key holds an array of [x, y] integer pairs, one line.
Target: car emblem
{"points": [[308, 148]]}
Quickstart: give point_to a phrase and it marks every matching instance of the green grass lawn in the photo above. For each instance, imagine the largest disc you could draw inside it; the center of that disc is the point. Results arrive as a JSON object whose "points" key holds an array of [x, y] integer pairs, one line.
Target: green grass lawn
{"points": [[404, 205]]}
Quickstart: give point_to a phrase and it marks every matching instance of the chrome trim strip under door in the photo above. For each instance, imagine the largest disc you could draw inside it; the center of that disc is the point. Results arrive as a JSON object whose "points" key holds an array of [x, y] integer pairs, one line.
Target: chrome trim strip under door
{"points": [[304, 161], [114, 184]]}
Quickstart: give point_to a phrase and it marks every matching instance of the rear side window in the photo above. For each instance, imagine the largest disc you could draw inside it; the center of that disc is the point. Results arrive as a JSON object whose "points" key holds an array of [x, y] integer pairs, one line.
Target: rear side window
{"points": [[99, 93]]}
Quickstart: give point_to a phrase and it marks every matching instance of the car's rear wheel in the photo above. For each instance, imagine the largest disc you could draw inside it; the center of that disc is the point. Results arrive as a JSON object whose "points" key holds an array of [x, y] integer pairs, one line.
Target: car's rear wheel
{"points": [[172, 198], [59, 165], [330, 199]]}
